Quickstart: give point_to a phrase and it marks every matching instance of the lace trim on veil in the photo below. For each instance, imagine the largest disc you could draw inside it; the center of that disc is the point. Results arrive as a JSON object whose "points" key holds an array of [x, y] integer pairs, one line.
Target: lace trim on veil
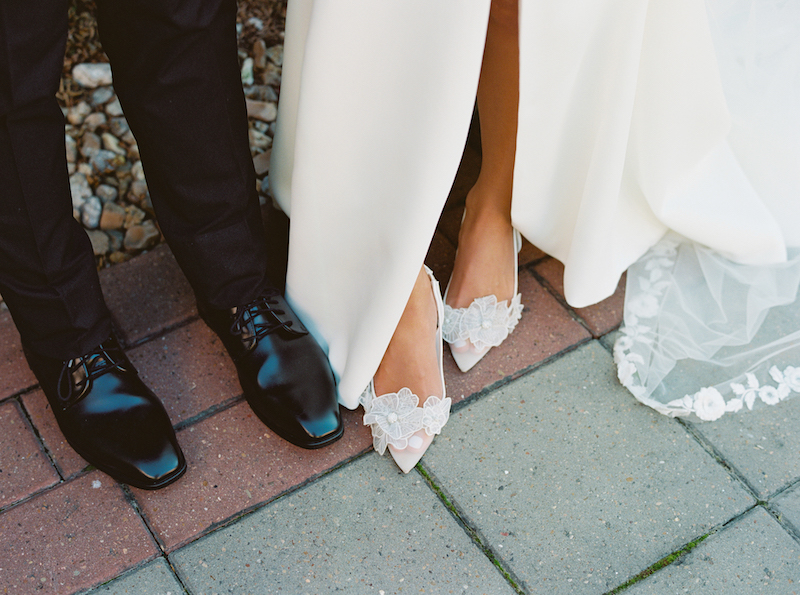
{"points": [[692, 316]]}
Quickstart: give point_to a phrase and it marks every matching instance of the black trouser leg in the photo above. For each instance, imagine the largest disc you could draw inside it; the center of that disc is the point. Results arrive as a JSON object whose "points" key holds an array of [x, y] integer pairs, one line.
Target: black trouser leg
{"points": [[177, 76], [47, 269]]}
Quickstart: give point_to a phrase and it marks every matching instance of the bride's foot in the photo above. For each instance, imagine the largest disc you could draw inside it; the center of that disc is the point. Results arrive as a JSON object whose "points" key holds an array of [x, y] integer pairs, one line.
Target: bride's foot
{"points": [[412, 358], [409, 375], [482, 303], [484, 246]]}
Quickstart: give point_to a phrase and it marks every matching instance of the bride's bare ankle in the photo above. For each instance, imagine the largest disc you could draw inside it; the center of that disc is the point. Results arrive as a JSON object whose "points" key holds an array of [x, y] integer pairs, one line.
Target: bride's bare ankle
{"points": [[411, 358], [488, 203]]}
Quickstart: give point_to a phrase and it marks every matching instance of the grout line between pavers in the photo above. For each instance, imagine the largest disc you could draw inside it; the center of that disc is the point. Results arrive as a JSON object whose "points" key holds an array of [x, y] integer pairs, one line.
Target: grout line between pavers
{"points": [[20, 393], [129, 571], [789, 486], [785, 524], [769, 506], [40, 440], [131, 499], [473, 533], [514, 376], [664, 562], [208, 413], [531, 268], [245, 512], [681, 552], [731, 469], [156, 334], [83, 472]]}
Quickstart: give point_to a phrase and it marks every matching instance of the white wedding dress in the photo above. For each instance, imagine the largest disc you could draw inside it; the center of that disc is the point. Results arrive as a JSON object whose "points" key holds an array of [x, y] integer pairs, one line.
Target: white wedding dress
{"points": [[664, 124]]}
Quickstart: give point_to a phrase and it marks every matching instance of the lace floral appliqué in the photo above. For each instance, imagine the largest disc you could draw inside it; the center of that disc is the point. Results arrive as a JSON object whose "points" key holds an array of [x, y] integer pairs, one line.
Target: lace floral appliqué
{"points": [[485, 323], [395, 417]]}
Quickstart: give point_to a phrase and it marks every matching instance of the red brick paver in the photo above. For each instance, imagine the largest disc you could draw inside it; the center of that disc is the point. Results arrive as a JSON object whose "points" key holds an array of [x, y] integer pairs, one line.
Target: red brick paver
{"points": [[235, 463], [188, 369], [601, 317], [67, 460], [14, 372], [147, 294], [77, 535], [24, 469]]}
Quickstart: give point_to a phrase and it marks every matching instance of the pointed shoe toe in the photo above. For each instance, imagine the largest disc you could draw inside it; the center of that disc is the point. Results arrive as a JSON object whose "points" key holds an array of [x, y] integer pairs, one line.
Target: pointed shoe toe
{"points": [[408, 457], [466, 355]]}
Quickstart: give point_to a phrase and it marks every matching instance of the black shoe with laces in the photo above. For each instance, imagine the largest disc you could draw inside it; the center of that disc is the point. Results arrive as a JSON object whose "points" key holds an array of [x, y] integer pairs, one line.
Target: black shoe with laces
{"points": [[110, 417], [284, 373]]}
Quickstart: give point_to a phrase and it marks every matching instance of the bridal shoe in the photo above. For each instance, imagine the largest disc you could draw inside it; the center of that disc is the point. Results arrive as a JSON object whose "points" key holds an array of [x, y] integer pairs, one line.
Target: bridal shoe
{"points": [[396, 421], [471, 332]]}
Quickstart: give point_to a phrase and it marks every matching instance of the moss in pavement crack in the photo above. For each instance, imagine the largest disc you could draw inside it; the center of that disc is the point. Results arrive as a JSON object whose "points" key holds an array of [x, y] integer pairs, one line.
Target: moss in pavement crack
{"points": [[470, 531], [663, 562]]}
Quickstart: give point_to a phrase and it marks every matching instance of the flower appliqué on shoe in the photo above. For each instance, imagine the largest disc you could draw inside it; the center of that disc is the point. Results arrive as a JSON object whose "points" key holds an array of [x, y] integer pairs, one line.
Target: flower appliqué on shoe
{"points": [[485, 323], [395, 417], [435, 413]]}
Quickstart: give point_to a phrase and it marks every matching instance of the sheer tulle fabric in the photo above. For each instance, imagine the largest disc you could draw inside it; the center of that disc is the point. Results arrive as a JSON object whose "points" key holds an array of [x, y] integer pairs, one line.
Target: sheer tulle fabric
{"points": [[704, 336]]}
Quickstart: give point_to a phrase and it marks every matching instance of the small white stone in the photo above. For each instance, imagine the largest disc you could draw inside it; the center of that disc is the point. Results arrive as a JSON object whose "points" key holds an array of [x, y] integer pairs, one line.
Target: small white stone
{"points": [[111, 143], [79, 189], [137, 171], [247, 72], [275, 54], [91, 76], [96, 484], [72, 148], [272, 74], [77, 113], [94, 121], [114, 108], [266, 111]]}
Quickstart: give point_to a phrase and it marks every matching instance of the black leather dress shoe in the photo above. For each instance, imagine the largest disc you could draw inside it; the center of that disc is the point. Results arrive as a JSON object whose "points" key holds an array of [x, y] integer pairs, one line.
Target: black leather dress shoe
{"points": [[110, 417], [284, 373]]}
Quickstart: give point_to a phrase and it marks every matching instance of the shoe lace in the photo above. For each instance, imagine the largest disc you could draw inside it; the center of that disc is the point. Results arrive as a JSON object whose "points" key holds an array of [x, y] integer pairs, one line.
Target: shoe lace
{"points": [[84, 369], [260, 318]]}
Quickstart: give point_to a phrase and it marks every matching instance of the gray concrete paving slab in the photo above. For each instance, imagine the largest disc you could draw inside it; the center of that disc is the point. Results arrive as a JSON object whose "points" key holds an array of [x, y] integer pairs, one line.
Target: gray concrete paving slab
{"points": [[365, 528], [575, 485], [788, 506], [762, 445], [154, 578], [753, 555]]}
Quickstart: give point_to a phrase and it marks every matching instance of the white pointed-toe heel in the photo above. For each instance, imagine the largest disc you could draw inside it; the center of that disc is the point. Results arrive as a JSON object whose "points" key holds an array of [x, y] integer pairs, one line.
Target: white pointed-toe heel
{"points": [[396, 420], [471, 332]]}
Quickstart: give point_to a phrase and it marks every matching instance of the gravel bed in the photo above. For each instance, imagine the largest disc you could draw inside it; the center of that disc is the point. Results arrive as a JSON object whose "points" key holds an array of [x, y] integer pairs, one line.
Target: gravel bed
{"points": [[107, 183]]}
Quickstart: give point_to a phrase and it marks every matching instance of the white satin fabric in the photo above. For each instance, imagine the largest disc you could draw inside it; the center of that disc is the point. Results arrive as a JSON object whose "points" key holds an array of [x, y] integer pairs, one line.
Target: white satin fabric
{"points": [[636, 117]]}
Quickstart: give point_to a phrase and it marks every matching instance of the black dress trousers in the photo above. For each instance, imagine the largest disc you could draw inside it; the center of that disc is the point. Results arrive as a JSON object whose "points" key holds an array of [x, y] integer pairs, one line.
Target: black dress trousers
{"points": [[176, 74]]}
